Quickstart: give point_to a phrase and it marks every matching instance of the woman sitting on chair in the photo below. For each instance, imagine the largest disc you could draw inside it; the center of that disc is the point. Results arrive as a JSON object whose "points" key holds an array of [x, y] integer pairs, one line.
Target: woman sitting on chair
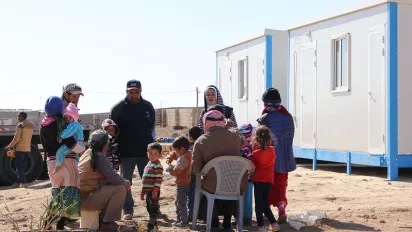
{"points": [[217, 141]]}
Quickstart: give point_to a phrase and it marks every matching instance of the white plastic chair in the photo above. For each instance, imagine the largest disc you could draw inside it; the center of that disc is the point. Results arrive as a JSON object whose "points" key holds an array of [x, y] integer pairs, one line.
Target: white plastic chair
{"points": [[229, 172]]}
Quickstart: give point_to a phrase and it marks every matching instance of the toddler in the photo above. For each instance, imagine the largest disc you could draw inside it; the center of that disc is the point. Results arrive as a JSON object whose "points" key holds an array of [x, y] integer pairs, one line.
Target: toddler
{"points": [[263, 157], [182, 171], [113, 153], [151, 181], [246, 131], [73, 128]]}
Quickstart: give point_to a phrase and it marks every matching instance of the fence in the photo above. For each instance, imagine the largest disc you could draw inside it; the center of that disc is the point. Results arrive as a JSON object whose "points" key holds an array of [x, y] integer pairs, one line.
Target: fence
{"points": [[178, 116]]}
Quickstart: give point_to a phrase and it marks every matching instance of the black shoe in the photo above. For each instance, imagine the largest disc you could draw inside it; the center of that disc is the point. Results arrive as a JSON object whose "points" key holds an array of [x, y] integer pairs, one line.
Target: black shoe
{"points": [[152, 228]]}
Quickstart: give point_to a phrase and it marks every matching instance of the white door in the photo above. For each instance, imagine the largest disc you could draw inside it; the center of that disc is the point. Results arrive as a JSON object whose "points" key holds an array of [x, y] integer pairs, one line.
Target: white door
{"points": [[260, 86], [308, 96], [376, 91], [226, 84]]}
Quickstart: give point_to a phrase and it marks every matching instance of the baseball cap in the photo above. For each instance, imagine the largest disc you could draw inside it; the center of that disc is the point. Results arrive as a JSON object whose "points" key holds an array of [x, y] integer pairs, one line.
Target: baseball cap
{"points": [[134, 84], [73, 88]]}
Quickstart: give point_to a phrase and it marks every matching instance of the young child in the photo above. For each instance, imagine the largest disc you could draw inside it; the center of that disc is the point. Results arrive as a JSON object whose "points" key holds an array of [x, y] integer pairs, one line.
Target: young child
{"points": [[151, 181], [246, 131], [263, 157], [182, 171], [71, 117], [113, 153], [193, 134]]}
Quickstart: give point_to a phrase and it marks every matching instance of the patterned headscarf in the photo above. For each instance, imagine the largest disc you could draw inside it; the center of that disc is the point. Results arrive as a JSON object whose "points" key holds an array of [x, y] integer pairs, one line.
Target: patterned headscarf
{"points": [[213, 118]]}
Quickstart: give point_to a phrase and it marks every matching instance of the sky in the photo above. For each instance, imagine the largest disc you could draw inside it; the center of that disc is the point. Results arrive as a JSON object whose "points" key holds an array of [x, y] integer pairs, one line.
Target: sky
{"points": [[169, 45]]}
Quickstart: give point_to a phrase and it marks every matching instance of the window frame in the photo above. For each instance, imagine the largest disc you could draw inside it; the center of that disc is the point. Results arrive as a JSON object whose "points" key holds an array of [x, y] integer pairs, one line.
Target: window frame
{"points": [[245, 77], [334, 85]]}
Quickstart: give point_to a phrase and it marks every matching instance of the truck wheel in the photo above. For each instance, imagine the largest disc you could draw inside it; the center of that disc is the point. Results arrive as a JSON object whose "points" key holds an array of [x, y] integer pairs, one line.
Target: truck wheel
{"points": [[33, 169]]}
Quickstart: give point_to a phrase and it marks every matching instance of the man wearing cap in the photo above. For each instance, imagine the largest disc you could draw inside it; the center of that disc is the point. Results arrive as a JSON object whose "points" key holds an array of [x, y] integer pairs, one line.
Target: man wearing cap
{"points": [[71, 94], [135, 117]]}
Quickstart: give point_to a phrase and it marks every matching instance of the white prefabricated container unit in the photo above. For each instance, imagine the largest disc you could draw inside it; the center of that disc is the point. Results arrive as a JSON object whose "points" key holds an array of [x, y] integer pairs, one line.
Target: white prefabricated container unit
{"points": [[245, 70], [349, 87]]}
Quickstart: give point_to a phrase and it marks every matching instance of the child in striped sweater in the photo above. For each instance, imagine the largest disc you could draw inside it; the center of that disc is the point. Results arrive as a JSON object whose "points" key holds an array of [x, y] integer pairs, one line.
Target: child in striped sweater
{"points": [[151, 181]]}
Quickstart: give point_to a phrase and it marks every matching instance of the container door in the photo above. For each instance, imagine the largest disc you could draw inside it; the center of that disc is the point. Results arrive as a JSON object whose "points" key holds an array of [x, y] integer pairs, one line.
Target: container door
{"points": [[308, 96], [376, 91], [225, 87], [260, 86]]}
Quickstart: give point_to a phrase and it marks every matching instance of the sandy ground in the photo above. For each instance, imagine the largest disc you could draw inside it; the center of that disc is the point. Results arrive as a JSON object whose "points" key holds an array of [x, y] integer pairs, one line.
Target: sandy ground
{"points": [[364, 201]]}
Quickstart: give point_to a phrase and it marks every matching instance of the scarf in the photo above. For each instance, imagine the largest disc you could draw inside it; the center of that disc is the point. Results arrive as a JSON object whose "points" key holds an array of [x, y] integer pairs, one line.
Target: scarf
{"points": [[213, 118]]}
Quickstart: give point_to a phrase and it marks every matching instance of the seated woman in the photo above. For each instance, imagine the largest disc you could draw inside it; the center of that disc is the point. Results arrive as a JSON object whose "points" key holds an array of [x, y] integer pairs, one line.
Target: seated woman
{"points": [[217, 141], [101, 188]]}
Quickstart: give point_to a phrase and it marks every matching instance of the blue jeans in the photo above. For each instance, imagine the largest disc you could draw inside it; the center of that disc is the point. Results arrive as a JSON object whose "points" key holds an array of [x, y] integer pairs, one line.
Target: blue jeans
{"points": [[127, 167], [21, 163]]}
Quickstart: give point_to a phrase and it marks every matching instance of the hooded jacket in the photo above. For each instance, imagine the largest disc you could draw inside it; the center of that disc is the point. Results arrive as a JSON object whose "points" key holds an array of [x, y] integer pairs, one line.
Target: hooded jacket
{"points": [[219, 101], [22, 138], [281, 124], [136, 123]]}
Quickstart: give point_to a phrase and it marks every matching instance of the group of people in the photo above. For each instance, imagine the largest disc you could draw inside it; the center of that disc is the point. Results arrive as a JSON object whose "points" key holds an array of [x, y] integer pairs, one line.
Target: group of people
{"points": [[89, 179]]}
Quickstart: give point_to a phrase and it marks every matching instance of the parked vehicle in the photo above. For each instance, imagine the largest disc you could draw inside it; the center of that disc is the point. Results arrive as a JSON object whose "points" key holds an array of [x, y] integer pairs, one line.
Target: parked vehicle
{"points": [[36, 165]]}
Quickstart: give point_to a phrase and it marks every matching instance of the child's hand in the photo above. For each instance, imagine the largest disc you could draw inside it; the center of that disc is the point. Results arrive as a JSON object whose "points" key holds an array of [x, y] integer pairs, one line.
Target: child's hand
{"points": [[142, 196], [170, 168], [154, 194]]}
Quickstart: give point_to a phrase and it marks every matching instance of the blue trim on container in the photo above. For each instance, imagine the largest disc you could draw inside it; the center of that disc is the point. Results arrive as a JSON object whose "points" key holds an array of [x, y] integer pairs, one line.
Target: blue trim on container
{"points": [[392, 90], [378, 160], [288, 75], [268, 61]]}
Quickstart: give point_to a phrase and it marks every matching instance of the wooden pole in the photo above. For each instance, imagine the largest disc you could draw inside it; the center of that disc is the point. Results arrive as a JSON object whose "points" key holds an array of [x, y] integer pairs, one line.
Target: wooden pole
{"points": [[197, 102]]}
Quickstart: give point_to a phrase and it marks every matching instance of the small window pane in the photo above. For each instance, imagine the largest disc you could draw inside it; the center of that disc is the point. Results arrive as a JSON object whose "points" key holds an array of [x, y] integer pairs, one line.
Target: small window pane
{"points": [[344, 62]]}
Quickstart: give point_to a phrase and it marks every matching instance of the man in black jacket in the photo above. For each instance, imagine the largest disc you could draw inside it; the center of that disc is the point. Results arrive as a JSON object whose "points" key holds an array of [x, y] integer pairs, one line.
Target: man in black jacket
{"points": [[135, 117]]}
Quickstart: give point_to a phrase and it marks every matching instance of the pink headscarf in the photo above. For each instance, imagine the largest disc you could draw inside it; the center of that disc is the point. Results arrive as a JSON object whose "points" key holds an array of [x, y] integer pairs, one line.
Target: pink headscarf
{"points": [[72, 110], [213, 118]]}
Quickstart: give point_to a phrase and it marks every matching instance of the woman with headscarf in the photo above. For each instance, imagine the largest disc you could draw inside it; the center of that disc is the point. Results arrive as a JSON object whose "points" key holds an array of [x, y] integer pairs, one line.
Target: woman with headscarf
{"points": [[101, 188], [212, 97], [217, 141], [64, 179], [280, 121]]}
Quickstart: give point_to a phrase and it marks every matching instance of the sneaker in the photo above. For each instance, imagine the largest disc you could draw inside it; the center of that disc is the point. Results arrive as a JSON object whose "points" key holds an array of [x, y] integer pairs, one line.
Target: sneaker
{"points": [[22, 186], [180, 224], [15, 185], [262, 229], [282, 219], [128, 217], [275, 227], [160, 214], [152, 228]]}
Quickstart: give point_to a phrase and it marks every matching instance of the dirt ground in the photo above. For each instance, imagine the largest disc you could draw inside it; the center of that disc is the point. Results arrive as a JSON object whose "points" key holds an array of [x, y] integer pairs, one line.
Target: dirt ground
{"points": [[364, 201]]}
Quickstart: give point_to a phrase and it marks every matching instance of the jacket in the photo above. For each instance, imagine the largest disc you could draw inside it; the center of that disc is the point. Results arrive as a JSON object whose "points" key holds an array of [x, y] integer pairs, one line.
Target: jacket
{"points": [[264, 162], [218, 141], [91, 180], [136, 123], [228, 110], [22, 138], [282, 127], [183, 169], [49, 134]]}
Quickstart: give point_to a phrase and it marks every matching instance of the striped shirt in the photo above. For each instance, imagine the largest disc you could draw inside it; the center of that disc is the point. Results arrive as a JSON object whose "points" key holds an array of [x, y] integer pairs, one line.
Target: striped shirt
{"points": [[152, 176]]}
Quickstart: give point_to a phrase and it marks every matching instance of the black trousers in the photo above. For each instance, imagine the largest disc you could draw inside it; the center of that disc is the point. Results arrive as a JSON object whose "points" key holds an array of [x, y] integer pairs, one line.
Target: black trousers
{"points": [[262, 191], [152, 206]]}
